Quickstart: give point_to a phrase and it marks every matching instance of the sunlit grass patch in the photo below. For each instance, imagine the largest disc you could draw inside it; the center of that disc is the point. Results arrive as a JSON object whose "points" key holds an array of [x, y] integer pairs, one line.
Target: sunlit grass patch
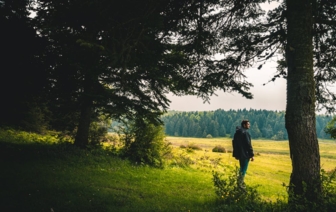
{"points": [[14, 136], [270, 170]]}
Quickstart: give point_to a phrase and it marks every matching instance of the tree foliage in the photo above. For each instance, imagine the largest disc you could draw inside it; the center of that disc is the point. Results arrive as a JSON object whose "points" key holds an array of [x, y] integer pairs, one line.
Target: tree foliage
{"points": [[22, 79], [122, 61], [331, 128]]}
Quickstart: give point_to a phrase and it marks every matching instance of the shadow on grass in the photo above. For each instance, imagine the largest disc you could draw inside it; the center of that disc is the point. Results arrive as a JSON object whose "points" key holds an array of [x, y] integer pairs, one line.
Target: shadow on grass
{"points": [[41, 177], [59, 177]]}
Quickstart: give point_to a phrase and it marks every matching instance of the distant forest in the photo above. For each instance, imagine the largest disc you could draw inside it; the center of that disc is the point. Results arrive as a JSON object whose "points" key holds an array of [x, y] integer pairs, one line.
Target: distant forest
{"points": [[221, 123]]}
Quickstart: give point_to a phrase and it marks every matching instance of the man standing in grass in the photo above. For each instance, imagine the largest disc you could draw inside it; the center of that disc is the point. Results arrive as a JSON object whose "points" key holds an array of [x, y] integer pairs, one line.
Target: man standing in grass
{"points": [[242, 150]]}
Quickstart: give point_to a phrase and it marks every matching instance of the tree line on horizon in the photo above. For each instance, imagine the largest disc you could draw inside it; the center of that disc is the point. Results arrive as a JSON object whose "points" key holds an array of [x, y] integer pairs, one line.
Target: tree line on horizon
{"points": [[220, 123]]}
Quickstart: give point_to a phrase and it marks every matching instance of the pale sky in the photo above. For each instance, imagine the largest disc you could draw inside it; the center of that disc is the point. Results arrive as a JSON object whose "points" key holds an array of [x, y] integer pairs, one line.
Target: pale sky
{"points": [[272, 96]]}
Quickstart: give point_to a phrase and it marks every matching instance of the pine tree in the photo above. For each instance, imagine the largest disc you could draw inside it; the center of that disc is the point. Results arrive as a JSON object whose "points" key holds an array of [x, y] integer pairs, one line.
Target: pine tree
{"points": [[255, 131], [222, 131], [267, 131]]}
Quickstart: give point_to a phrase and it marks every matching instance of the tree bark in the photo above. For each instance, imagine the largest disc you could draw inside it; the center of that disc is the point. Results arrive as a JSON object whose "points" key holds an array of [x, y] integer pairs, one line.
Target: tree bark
{"points": [[300, 108], [82, 136]]}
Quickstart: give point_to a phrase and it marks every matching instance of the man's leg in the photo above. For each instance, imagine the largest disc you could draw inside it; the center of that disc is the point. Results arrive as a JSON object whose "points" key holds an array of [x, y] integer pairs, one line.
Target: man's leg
{"points": [[243, 168], [243, 165]]}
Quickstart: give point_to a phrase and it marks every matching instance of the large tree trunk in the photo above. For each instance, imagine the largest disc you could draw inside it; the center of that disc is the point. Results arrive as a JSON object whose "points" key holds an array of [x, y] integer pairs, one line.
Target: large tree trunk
{"points": [[300, 109]]}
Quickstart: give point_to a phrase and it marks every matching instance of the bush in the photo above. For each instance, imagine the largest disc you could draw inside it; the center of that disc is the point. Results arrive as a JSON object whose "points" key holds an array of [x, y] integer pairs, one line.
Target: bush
{"points": [[331, 128], [182, 160], [229, 192], [219, 148], [98, 130], [97, 134], [233, 198], [209, 136], [329, 189], [193, 146], [145, 143], [326, 201], [190, 147]]}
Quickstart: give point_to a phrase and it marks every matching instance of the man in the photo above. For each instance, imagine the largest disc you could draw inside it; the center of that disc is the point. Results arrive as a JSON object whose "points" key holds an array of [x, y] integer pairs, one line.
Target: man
{"points": [[242, 150]]}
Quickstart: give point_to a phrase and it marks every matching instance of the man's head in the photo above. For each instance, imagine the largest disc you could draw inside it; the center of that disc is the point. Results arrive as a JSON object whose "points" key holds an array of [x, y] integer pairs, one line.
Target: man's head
{"points": [[245, 124]]}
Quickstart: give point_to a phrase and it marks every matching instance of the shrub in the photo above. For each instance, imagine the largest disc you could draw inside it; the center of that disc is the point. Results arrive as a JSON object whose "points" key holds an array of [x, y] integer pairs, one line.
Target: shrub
{"points": [[326, 201], [97, 131], [219, 148], [112, 138], [209, 136], [182, 160], [233, 198], [194, 146], [331, 128], [229, 192], [329, 189], [145, 143], [183, 146], [190, 147]]}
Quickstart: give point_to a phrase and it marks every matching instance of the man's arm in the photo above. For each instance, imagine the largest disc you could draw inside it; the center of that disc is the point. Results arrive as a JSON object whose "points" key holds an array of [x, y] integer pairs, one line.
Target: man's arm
{"points": [[247, 145]]}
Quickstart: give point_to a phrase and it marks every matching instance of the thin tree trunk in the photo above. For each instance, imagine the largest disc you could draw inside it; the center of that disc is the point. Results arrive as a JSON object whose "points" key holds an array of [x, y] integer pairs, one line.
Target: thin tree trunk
{"points": [[300, 109], [82, 136]]}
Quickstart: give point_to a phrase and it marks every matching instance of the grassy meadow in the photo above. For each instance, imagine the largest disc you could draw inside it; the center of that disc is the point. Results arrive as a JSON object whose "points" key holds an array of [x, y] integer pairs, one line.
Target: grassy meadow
{"points": [[40, 174], [269, 171]]}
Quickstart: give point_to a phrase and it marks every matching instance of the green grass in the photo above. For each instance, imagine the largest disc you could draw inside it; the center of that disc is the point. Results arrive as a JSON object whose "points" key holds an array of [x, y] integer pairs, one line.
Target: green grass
{"points": [[38, 177], [271, 168], [38, 173]]}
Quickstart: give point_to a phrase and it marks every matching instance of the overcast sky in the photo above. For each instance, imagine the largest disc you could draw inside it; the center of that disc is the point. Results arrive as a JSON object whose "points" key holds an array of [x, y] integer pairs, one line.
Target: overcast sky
{"points": [[272, 96]]}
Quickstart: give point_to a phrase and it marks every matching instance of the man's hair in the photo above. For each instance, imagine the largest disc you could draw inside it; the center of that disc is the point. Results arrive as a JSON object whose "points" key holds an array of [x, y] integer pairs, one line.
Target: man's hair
{"points": [[244, 122]]}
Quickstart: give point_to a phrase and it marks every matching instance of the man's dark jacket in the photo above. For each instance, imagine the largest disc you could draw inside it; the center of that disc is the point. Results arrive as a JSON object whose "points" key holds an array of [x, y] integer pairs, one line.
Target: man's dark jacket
{"points": [[241, 143]]}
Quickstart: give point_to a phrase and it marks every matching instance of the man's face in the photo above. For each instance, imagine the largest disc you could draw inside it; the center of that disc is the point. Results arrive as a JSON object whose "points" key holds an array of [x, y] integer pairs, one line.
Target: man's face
{"points": [[247, 125]]}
